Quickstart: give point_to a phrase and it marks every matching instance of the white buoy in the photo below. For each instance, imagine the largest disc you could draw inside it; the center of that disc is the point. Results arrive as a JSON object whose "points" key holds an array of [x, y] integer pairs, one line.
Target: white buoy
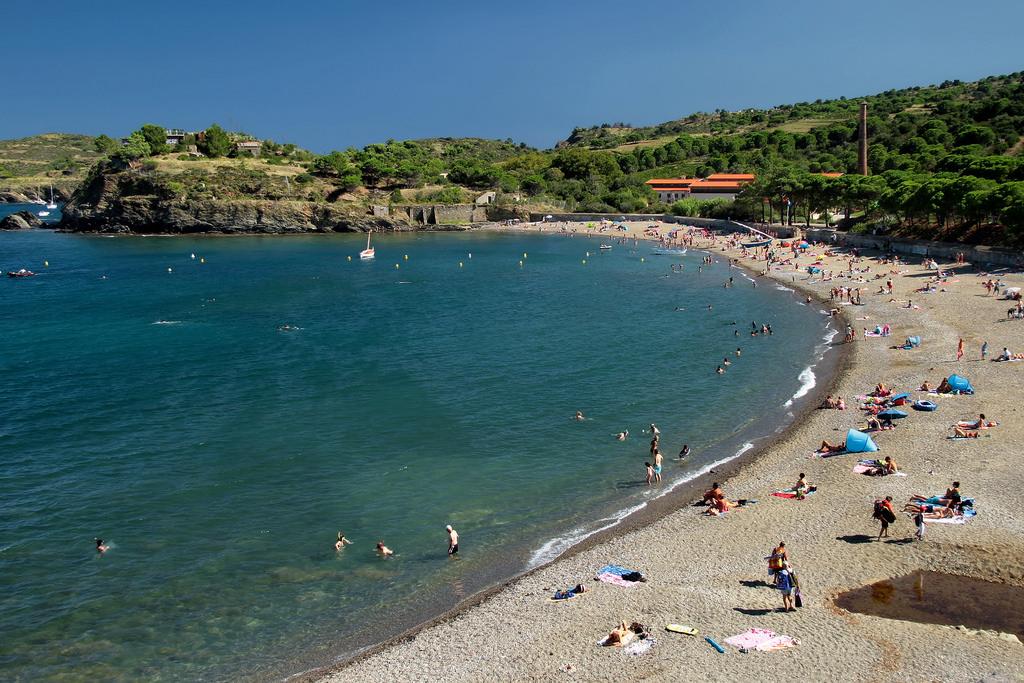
{"points": [[406, 257], [460, 264], [524, 254], [396, 266], [470, 254], [168, 270], [202, 260], [46, 263], [584, 261], [520, 264], [193, 256], [349, 258], [641, 259]]}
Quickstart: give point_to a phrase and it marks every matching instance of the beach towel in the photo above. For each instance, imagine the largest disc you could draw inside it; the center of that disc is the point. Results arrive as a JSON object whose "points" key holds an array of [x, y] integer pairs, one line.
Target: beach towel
{"points": [[639, 647], [761, 639], [615, 580], [616, 569], [792, 494]]}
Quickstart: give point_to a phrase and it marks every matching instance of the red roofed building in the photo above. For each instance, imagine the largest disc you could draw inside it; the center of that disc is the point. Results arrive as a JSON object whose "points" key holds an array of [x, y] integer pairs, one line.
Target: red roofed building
{"points": [[715, 186]]}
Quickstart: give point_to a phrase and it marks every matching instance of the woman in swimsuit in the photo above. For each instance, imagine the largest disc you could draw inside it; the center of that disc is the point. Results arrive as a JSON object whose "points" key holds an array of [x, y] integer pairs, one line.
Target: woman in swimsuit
{"points": [[342, 541]]}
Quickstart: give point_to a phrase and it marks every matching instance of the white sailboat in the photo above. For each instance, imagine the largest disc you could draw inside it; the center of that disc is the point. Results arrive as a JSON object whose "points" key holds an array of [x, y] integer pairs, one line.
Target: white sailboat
{"points": [[52, 204], [367, 253]]}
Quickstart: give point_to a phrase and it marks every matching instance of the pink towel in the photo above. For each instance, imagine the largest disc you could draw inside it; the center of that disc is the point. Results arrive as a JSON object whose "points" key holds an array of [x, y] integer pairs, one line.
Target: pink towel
{"points": [[761, 639], [615, 579]]}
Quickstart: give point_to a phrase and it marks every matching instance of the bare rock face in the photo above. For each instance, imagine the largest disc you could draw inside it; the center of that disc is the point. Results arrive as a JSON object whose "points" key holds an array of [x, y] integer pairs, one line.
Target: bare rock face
{"points": [[22, 220], [119, 201]]}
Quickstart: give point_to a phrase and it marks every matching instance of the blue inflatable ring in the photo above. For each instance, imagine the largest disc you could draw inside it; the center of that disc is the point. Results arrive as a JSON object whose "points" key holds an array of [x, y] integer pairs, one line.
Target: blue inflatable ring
{"points": [[924, 405]]}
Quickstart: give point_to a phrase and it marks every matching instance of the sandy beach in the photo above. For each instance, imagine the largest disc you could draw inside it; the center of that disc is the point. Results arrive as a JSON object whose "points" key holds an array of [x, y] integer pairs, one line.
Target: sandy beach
{"points": [[710, 573]]}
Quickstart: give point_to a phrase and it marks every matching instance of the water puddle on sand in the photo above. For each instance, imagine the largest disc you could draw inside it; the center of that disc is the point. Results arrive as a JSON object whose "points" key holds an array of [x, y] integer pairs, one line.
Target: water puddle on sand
{"points": [[936, 598]]}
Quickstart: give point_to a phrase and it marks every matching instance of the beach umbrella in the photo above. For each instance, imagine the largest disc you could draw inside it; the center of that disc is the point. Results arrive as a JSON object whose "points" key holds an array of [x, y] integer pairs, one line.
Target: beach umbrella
{"points": [[892, 414]]}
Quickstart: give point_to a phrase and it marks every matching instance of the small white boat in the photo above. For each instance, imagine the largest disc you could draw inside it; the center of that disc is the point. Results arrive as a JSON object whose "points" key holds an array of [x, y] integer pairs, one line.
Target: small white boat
{"points": [[669, 252], [43, 214], [605, 247], [368, 253], [52, 205]]}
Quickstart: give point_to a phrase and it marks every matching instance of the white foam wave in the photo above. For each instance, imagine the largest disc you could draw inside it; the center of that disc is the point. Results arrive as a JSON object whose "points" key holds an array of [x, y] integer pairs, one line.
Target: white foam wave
{"points": [[167, 322], [830, 334], [556, 546], [783, 288], [807, 382]]}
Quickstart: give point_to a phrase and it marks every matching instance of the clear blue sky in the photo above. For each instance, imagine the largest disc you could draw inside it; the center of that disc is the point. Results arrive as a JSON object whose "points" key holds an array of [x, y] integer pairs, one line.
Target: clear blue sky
{"points": [[336, 73]]}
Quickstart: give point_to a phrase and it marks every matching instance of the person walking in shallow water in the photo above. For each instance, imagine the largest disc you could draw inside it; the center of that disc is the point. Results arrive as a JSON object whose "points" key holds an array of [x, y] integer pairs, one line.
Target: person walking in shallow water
{"points": [[453, 540]]}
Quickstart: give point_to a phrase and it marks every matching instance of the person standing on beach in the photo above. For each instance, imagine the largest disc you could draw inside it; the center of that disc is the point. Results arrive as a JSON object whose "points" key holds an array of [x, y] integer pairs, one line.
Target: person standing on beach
{"points": [[784, 582], [453, 540], [919, 523], [960, 349], [885, 514], [984, 350]]}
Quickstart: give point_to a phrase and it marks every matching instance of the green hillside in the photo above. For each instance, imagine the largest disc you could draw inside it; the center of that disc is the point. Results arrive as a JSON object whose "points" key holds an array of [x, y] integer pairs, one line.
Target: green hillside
{"points": [[47, 155]]}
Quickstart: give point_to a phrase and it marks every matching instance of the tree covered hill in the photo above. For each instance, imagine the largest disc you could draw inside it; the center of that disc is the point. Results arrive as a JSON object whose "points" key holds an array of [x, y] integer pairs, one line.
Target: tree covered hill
{"points": [[945, 163]]}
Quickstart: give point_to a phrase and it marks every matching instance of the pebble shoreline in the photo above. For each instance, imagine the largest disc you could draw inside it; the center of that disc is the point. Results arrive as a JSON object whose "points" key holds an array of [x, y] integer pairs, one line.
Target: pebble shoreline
{"points": [[705, 571]]}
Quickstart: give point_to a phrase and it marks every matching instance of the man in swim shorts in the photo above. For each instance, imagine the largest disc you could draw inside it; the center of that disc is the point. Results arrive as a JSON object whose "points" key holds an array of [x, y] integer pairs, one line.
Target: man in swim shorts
{"points": [[657, 465], [453, 540]]}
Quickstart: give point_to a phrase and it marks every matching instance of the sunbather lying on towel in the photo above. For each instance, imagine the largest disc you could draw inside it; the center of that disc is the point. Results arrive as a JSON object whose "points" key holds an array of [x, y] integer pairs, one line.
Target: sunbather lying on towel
{"points": [[980, 423], [933, 511], [880, 469], [881, 390], [961, 433], [827, 447], [623, 634]]}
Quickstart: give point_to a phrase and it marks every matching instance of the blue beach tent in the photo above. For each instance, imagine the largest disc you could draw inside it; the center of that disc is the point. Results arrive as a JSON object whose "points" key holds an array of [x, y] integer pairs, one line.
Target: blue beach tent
{"points": [[960, 384], [859, 442]]}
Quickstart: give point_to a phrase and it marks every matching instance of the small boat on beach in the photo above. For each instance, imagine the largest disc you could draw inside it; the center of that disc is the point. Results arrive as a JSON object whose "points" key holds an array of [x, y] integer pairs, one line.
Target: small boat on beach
{"points": [[369, 252], [20, 273], [669, 252], [756, 245]]}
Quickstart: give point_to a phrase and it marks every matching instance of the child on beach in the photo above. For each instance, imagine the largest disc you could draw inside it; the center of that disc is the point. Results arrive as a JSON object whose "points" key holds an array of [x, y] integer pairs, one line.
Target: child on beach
{"points": [[650, 472]]}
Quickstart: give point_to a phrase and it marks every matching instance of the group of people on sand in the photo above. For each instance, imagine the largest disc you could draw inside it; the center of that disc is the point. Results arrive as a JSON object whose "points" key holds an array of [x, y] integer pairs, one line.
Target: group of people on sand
{"points": [[384, 551], [837, 403]]}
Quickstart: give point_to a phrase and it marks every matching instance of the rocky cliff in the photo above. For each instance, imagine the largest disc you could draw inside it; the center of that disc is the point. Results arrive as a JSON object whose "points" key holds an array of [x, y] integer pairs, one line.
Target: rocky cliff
{"points": [[134, 201]]}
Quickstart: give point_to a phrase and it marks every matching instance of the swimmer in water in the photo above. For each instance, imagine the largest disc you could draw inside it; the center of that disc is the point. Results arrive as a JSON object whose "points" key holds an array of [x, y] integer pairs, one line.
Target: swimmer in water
{"points": [[738, 352], [100, 547], [621, 436], [720, 370], [383, 550], [579, 416], [684, 452], [453, 540], [726, 361], [709, 307], [342, 541]]}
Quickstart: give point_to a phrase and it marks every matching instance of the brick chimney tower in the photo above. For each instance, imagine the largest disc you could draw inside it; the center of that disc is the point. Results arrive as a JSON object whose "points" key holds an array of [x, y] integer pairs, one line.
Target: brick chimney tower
{"points": [[862, 140]]}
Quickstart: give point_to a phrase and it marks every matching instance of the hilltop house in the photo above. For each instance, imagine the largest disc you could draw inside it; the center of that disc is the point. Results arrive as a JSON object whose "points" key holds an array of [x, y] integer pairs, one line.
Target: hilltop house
{"points": [[253, 147], [176, 136]]}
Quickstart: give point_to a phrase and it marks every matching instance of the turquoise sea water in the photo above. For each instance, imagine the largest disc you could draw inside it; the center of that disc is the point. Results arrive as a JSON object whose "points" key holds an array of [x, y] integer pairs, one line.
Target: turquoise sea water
{"points": [[165, 412]]}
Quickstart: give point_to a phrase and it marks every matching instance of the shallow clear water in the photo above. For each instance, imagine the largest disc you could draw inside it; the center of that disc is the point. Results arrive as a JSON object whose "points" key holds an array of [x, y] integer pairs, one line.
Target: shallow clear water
{"points": [[167, 413]]}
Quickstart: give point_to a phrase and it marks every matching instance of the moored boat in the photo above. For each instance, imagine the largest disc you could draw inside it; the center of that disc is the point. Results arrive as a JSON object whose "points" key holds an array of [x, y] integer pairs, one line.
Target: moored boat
{"points": [[20, 273]]}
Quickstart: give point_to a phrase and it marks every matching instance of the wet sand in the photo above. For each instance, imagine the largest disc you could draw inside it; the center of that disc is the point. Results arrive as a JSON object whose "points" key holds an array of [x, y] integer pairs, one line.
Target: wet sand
{"points": [[709, 572]]}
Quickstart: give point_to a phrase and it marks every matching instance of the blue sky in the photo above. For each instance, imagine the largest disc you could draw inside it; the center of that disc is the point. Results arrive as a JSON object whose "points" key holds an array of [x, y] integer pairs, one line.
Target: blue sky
{"points": [[339, 73]]}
